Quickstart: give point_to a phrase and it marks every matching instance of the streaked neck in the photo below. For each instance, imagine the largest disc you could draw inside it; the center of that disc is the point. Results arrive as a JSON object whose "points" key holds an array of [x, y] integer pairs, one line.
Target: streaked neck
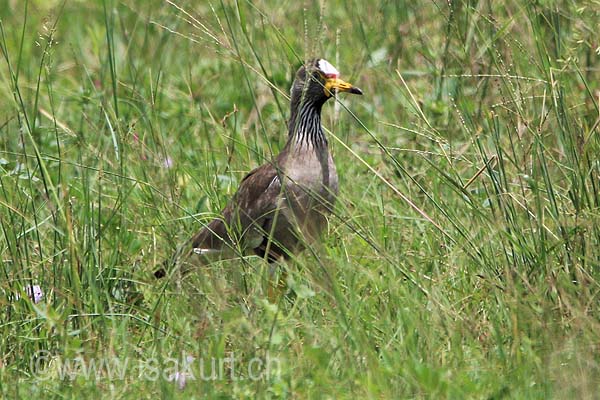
{"points": [[305, 130]]}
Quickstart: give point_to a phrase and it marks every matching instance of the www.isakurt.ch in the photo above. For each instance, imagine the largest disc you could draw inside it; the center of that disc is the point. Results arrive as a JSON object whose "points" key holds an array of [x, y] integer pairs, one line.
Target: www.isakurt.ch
{"points": [[45, 365]]}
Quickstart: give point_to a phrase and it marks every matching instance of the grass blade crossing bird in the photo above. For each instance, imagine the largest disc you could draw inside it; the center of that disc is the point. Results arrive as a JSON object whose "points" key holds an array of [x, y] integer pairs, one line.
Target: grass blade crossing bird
{"points": [[283, 204]]}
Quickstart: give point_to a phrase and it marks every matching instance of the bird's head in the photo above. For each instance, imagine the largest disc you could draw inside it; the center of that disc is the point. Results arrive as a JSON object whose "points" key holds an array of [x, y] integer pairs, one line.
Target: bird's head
{"points": [[318, 81]]}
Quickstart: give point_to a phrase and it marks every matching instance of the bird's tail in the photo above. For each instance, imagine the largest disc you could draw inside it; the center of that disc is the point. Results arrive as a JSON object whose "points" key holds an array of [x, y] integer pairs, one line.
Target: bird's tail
{"points": [[207, 244]]}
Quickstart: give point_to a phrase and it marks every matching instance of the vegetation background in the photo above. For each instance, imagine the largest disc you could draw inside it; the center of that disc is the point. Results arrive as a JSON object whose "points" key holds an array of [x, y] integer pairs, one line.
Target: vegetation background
{"points": [[463, 257]]}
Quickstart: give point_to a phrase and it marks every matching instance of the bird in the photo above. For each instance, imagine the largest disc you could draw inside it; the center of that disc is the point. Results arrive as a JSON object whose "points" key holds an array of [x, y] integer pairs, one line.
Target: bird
{"points": [[282, 205]]}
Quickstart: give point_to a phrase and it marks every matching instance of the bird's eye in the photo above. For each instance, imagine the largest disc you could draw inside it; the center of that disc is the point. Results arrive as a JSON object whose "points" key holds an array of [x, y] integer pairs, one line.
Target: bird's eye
{"points": [[318, 75]]}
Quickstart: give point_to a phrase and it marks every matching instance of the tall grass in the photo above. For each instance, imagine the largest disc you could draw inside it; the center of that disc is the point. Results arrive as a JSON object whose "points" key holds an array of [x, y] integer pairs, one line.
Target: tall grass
{"points": [[461, 260]]}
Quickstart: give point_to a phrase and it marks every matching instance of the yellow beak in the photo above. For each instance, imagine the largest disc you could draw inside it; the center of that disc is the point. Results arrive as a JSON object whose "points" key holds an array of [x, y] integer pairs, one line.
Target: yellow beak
{"points": [[337, 85]]}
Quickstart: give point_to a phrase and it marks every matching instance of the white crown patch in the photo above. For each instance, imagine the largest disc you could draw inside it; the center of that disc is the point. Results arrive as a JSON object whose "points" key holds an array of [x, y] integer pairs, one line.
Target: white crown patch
{"points": [[328, 69]]}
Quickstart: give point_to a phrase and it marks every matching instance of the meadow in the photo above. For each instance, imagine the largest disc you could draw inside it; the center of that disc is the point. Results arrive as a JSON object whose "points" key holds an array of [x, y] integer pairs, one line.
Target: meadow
{"points": [[462, 259]]}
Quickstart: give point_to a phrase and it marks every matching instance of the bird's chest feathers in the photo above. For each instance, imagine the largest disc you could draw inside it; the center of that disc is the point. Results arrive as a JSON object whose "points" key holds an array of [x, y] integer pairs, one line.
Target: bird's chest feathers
{"points": [[313, 169]]}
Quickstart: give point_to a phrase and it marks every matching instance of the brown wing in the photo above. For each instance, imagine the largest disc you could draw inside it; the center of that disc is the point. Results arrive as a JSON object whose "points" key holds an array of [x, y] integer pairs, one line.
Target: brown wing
{"points": [[242, 222], [254, 200]]}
